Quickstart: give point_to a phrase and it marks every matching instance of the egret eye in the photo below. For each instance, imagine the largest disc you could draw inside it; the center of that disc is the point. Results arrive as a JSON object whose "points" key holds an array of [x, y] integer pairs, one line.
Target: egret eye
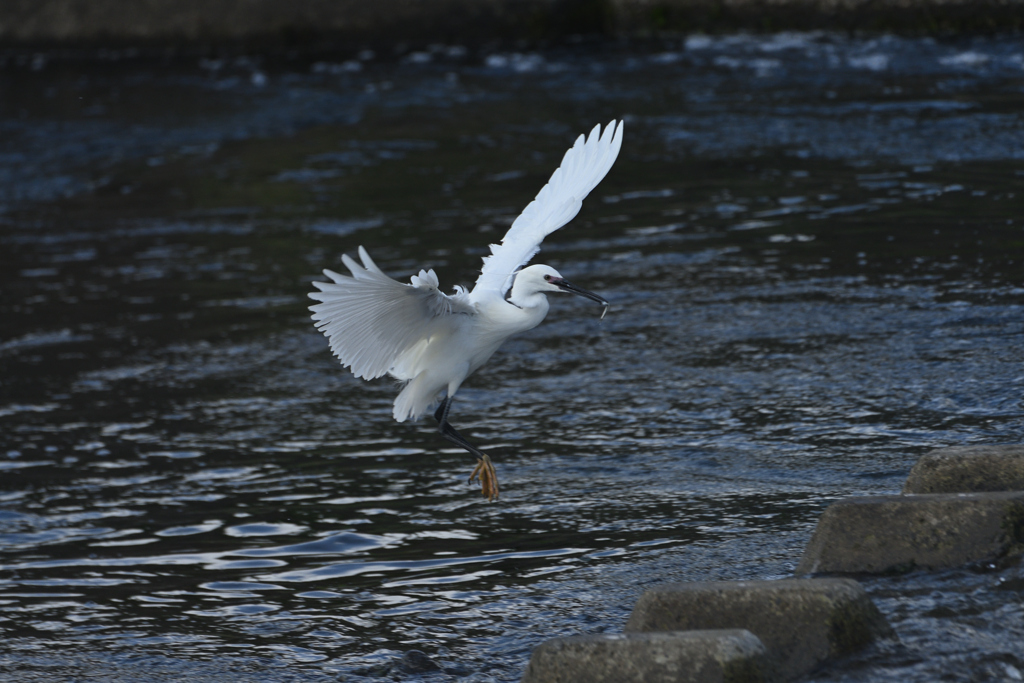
{"points": [[547, 278]]}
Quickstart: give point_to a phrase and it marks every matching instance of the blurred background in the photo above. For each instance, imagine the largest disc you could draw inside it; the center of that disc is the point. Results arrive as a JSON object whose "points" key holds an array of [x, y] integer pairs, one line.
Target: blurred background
{"points": [[811, 240]]}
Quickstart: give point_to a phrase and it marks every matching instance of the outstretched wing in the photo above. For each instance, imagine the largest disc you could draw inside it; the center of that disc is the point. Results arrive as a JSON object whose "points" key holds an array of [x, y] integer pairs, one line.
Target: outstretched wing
{"points": [[371, 320], [558, 202]]}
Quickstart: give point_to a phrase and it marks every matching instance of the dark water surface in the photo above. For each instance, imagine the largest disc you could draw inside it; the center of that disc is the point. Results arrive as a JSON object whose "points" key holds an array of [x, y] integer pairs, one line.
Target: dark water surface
{"points": [[813, 247]]}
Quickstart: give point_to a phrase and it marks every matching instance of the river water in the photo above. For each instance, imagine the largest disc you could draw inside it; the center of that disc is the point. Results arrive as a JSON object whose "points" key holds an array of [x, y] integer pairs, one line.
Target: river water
{"points": [[812, 245]]}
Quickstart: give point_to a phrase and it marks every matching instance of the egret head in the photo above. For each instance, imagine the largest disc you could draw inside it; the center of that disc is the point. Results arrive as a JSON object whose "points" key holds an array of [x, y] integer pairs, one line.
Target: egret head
{"points": [[541, 278]]}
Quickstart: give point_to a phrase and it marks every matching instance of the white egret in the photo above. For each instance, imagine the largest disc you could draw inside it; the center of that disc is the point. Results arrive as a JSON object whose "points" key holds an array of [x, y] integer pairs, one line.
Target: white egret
{"points": [[434, 341]]}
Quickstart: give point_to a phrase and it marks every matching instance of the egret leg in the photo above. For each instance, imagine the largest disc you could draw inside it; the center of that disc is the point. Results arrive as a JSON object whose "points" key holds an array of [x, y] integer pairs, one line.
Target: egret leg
{"points": [[484, 470]]}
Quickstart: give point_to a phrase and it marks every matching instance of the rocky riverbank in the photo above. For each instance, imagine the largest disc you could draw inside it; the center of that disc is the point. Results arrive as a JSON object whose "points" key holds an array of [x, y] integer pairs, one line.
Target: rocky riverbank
{"points": [[315, 23], [763, 631]]}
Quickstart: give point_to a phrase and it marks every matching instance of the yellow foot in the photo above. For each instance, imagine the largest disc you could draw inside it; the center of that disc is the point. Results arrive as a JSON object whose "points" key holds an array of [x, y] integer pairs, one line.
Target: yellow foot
{"points": [[484, 471]]}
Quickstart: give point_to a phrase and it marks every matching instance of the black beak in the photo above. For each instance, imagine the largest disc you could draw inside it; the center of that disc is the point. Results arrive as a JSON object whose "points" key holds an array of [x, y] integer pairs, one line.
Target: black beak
{"points": [[567, 286]]}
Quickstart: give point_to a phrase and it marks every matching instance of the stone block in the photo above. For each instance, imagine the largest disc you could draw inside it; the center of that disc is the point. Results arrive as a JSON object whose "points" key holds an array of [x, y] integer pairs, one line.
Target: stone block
{"points": [[893, 534], [730, 656], [968, 469], [802, 622]]}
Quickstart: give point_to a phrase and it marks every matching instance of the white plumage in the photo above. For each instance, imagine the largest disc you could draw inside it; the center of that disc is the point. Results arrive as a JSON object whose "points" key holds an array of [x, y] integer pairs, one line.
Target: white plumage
{"points": [[434, 341], [584, 165], [372, 321]]}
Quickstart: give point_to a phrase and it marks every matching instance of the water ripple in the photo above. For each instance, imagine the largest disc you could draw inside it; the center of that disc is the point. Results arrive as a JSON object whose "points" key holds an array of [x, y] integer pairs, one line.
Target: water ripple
{"points": [[810, 243]]}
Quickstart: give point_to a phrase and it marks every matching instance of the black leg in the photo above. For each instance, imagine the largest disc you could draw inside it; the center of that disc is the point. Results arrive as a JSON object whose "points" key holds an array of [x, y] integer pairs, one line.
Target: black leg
{"points": [[440, 412], [484, 470], [447, 431]]}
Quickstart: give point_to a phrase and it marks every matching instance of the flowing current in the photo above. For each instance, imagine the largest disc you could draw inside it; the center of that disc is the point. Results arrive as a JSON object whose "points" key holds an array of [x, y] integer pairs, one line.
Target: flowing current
{"points": [[812, 244]]}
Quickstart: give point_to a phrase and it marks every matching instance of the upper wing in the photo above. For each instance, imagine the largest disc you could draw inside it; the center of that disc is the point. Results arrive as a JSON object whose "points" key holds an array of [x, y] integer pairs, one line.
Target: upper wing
{"points": [[371, 320], [558, 202]]}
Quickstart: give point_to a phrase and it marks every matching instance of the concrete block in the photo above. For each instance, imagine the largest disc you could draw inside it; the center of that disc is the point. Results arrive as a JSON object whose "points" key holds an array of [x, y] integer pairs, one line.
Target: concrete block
{"points": [[733, 656], [968, 469], [802, 622], [892, 534]]}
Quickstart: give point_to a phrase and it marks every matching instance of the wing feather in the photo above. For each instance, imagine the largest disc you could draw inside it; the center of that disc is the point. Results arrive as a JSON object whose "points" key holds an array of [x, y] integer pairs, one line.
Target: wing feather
{"points": [[371, 320], [584, 165]]}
